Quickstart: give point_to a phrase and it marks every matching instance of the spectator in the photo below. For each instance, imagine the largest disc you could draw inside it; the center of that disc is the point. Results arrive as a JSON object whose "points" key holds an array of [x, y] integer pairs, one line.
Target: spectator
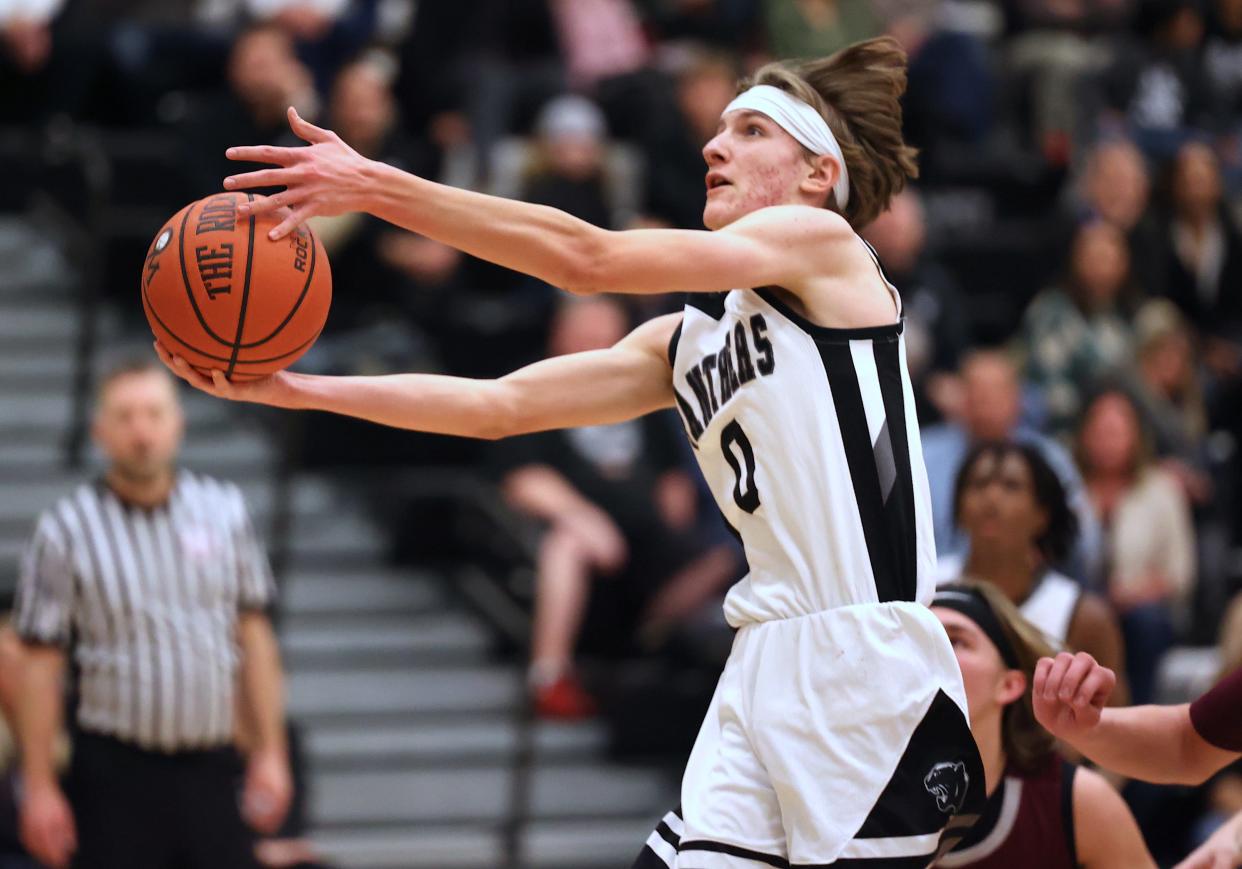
{"points": [[673, 144], [154, 581], [1013, 509], [1158, 85], [568, 170], [991, 405], [619, 510], [816, 28], [1167, 389], [936, 334], [1075, 332], [1115, 187], [1150, 539], [326, 32], [1203, 251], [265, 78]]}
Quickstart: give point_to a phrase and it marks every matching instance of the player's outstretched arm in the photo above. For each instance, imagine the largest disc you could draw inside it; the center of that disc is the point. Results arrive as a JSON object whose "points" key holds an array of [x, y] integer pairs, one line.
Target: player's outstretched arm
{"points": [[593, 388], [781, 246], [1153, 743]]}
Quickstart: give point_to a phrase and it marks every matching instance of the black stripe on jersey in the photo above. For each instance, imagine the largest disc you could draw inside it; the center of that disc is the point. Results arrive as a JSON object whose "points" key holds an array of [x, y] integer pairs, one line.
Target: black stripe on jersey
{"points": [[864, 472], [734, 851], [1068, 771], [899, 508], [827, 333], [711, 304], [672, 345]]}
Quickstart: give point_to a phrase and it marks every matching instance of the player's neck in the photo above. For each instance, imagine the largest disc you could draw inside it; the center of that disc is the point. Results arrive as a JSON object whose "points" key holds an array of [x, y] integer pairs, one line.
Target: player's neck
{"points": [[991, 751], [150, 492], [997, 565]]}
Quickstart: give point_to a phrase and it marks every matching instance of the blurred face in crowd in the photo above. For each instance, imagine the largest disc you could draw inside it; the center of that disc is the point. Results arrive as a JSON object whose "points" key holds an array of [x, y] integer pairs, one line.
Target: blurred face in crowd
{"points": [[1117, 184], [900, 233], [1110, 434], [1196, 182], [1100, 264], [993, 397], [363, 108], [574, 156], [264, 71], [1229, 15], [752, 163], [990, 685], [1168, 363], [587, 324], [703, 94], [138, 425], [998, 508]]}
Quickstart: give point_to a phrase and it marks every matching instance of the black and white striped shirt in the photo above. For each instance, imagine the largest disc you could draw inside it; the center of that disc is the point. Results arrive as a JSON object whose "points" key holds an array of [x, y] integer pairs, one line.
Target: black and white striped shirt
{"points": [[147, 600]]}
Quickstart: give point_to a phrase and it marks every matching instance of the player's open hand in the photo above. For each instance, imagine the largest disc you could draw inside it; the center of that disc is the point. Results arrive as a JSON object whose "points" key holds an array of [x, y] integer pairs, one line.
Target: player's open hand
{"points": [[271, 390], [326, 178], [1069, 693]]}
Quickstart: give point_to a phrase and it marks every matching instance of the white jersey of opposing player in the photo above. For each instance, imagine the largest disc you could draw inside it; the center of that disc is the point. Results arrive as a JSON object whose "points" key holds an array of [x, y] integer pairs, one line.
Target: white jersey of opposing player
{"points": [[808, 439]]}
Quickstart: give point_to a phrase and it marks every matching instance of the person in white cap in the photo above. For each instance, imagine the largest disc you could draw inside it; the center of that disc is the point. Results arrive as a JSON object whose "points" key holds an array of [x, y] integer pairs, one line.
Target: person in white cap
{"points": [[838, 733]]}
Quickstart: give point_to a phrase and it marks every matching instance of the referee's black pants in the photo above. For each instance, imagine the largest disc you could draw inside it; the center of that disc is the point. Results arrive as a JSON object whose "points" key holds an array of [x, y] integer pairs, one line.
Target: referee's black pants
{"points": [[138, 809]]}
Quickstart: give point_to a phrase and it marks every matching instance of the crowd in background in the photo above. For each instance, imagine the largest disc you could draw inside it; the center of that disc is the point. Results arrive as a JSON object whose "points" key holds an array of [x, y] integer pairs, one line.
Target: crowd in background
{"points": [[1070, 261]]}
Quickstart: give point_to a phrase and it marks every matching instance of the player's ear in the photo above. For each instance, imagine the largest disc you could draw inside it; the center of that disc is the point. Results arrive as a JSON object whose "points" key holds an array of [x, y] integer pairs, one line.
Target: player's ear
{"points": [[1011, 688], [821, 174]]}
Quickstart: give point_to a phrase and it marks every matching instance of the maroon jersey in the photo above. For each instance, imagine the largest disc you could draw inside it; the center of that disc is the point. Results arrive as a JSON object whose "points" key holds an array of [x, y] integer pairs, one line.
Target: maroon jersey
{"points": [[1217, 715], [1028, 823]]}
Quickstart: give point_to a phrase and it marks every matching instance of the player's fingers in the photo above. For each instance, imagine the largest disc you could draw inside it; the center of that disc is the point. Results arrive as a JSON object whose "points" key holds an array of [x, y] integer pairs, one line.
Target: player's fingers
{"points": [[292, 222], [1080, 667], [267, 204], [262, 178], [265, 154], [220, 384], [1096, 688], [1042, 668], [306, 130], [1056, 674], [190, 375]]}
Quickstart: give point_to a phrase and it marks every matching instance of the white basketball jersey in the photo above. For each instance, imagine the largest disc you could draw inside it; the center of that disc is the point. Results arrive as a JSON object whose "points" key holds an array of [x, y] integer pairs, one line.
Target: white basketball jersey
{"points": [[808, 439]]}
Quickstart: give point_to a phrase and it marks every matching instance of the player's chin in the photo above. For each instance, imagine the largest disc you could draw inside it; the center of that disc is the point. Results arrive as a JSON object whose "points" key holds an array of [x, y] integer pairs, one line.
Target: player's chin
{"points": [[716, 216]]}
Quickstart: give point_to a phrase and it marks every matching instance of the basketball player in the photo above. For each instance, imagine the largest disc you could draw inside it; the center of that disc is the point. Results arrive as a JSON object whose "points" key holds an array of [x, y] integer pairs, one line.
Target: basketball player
{"points": [[838, 732], [1042, 812]]}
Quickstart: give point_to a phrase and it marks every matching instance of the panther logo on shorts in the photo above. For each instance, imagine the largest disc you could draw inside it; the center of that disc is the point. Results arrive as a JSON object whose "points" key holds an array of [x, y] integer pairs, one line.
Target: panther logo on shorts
{"points": [[948, 783]]}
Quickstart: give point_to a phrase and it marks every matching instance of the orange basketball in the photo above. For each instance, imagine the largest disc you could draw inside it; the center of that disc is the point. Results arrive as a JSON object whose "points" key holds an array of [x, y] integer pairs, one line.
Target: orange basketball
{"points": [[222, 295]]}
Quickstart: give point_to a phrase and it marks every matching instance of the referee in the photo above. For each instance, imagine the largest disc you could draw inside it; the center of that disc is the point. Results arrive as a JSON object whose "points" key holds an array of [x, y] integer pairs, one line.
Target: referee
{"points": [[150, 587]]}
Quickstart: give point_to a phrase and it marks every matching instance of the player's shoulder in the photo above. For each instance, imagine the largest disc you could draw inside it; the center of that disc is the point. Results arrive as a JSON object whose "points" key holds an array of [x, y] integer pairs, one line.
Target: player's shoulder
{"points": [[798, 220]]}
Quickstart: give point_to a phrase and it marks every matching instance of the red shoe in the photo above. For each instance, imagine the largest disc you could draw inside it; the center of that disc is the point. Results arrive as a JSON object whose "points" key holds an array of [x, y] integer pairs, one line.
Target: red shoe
{"points": [[564, 700]]}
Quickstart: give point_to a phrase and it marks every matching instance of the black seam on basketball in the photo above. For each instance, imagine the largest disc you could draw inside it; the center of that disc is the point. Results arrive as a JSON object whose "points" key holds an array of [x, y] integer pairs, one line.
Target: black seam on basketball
{"points": [[296, 305], [301, 347], [185, 281], [241, 314]]}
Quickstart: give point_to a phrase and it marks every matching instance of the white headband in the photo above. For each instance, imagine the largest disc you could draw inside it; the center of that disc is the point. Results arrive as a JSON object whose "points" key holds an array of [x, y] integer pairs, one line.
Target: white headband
{"points": [[800, 121]]}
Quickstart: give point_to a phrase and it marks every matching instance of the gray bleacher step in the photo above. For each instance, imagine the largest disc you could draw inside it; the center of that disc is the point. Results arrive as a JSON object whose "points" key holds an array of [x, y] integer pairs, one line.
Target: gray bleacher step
{"points": [[343, 534], [439, 847], [328, 643], [579, 844], [38, 325], [482, 794], [441, 743], [308, 592], [229, 453], [428, 690], [44, 453], [55, 363], [40, 412]]}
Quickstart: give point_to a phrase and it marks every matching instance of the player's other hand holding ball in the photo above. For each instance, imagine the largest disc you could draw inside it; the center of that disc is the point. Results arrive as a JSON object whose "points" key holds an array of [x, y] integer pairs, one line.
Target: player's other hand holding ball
{"points": [[273, 389], [1069, 693]]}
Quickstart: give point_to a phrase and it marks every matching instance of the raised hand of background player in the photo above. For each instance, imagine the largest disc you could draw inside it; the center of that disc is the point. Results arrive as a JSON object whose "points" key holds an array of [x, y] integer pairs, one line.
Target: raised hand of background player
{"points": [[271, 390], [322, 179], [1069, 693]]}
